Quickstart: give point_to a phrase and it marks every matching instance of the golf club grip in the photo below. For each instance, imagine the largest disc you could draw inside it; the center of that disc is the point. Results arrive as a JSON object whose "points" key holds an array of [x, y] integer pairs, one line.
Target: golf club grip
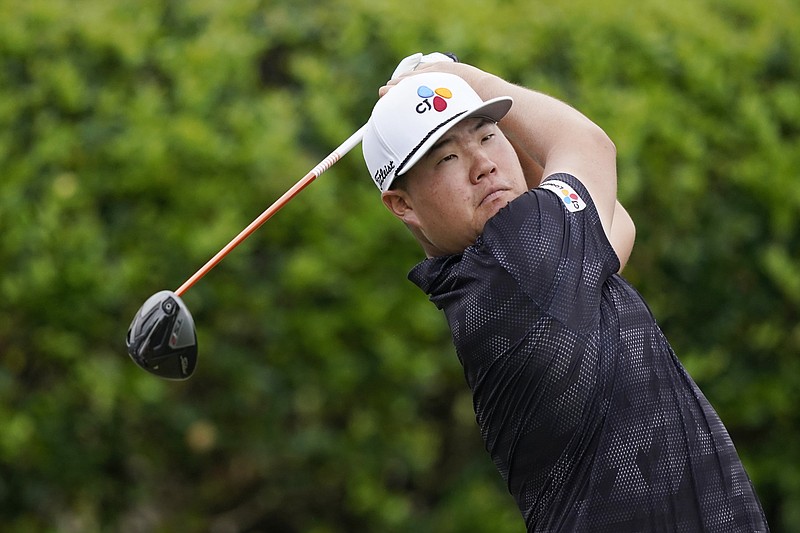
{"points": [[323, 165]]}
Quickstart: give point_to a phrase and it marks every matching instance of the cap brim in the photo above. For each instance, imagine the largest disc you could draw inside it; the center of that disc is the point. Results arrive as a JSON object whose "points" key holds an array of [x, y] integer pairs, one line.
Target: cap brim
{"points": [[494, 109]]}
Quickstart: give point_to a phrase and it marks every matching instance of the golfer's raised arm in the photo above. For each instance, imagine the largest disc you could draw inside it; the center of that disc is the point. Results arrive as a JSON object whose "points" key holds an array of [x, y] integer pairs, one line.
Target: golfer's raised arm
{"points": [[554, 135]]}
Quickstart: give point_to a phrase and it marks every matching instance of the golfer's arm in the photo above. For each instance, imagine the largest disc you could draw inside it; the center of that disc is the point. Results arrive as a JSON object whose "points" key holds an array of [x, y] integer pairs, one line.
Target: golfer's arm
{"points": [[623, 231], [550, 136], [623, 235], [559, 138]]}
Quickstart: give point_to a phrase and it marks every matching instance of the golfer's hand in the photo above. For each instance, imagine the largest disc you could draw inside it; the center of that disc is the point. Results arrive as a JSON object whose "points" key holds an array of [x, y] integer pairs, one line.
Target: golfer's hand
{"points": [[411, 65], [413, 61]]}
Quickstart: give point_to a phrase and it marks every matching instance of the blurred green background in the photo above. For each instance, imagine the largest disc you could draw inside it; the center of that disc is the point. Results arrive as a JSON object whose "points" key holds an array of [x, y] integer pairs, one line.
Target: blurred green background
{"points": [[137, 138]]}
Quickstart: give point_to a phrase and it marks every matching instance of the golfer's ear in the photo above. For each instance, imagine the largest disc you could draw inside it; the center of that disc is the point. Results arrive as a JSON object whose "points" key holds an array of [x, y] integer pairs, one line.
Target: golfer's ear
{"points": [[397, 202]]}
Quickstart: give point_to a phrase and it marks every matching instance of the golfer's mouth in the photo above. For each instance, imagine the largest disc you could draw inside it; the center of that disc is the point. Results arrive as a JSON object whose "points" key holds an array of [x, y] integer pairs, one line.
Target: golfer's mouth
{"points": [[492, 196]]}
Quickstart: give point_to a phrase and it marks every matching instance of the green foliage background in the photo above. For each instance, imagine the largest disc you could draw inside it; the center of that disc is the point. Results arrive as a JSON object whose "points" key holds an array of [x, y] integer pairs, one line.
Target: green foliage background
{"points": [[137, 138]]}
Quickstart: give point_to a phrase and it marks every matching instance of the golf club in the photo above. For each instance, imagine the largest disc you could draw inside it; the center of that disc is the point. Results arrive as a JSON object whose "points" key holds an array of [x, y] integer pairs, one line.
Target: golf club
{"points": [[162, 338]]}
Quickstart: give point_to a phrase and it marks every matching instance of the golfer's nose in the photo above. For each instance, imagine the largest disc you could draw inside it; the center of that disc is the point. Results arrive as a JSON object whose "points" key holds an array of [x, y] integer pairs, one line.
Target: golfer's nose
{"points": [[482, 166]]}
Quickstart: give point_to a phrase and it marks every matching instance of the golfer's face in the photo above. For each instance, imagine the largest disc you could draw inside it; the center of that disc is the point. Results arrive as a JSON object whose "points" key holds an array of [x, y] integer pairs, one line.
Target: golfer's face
{"points": [[465, 179]]}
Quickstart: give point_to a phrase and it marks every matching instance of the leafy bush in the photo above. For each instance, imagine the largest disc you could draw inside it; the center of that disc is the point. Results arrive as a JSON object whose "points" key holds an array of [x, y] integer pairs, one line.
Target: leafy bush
{"points": [[138, 138]]}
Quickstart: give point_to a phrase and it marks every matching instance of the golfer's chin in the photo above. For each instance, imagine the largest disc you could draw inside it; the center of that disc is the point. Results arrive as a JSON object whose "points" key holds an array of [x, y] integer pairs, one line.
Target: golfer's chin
{"points": [[493, 203], [456, 244]]}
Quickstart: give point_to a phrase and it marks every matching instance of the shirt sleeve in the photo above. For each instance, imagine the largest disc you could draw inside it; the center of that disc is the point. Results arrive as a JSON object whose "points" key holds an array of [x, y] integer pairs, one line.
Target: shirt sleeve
{"points": [[551, 241]]}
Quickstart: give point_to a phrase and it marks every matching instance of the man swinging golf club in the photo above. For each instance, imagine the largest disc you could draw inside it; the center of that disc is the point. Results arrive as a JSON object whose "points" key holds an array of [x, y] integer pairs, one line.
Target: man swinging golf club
{"points": [[586, 411]]}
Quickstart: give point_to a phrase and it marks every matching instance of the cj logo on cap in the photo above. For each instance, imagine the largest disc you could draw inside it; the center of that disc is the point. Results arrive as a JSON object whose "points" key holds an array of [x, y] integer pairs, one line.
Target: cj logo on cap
{"points": [[439, 99]]}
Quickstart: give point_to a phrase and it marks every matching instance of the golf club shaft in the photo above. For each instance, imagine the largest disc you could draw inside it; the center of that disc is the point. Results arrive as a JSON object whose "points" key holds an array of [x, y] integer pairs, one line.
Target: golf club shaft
{"points": [[323, 165]]}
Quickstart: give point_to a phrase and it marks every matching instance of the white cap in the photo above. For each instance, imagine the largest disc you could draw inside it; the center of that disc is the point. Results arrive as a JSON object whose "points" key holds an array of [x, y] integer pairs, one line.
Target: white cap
{"points": [[409, 119]]}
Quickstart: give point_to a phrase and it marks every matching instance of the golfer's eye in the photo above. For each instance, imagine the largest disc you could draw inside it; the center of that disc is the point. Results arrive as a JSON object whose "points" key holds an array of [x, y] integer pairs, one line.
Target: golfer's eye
{"points": [[487, 138], [448, 157]]}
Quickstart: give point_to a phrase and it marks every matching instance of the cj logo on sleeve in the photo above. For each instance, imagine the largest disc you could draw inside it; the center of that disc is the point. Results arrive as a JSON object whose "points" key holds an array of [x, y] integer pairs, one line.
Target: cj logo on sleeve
{"points": [[572, 201]]}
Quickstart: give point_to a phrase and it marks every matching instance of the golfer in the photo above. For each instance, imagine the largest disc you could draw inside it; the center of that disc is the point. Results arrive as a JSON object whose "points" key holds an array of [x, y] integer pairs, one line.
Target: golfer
{"points": [[587, 413]]}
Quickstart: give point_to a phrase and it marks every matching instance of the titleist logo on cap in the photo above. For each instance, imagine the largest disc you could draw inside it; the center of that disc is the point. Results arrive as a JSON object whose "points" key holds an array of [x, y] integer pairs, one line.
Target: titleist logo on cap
{"points": [[383, 173]]}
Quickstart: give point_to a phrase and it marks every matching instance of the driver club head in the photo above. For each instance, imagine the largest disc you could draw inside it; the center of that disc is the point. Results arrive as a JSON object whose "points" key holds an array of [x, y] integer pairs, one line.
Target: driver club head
{"points": [[162, 338]]}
